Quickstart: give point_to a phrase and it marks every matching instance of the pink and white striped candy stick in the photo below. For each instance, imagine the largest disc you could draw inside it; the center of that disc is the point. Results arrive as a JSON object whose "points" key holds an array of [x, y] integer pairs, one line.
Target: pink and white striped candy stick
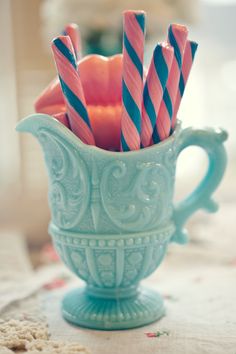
{"points": [[72, 30], [153, 89], [132, 80], [177, 37], [189, 54], [72, 89]]}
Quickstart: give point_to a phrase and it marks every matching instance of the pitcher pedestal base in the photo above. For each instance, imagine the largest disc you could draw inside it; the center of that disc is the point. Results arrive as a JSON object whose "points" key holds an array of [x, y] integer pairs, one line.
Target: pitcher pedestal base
{"points": [[88, 311]]}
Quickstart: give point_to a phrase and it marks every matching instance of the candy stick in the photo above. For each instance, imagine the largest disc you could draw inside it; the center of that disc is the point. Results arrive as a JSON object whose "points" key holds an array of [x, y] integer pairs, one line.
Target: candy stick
{"points": [[52, 95], [132, 80], [62, 118], [177, 37], [72, 88], [189, 54], [72, 30], [153, 89]]}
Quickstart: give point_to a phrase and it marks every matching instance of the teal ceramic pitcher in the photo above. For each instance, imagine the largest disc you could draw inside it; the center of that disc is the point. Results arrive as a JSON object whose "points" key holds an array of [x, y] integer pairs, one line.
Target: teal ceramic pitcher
{"points": [[112, 217]]}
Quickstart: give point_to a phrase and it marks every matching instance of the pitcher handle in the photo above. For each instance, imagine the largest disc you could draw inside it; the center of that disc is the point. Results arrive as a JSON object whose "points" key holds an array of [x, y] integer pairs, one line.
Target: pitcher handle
{"points": [[211, 140]]}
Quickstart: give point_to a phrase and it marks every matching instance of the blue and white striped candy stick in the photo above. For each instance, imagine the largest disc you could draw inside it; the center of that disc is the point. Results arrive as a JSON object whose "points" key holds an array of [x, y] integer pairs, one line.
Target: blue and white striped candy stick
{"points": [[72, 89], [132, 80], [155, 84]]}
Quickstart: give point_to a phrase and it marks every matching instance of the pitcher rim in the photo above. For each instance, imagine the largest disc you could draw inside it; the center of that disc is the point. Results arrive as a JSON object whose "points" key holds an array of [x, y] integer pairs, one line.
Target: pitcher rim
{"points": [[76, 141]]}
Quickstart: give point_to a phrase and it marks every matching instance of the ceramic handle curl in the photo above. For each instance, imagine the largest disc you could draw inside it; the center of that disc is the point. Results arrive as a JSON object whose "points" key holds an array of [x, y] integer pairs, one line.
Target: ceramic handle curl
{"points": [[211, 140]]}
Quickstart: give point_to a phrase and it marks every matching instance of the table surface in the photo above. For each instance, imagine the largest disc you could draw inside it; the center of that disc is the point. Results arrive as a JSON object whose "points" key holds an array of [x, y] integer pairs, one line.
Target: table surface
{"points": [[197, 281]]}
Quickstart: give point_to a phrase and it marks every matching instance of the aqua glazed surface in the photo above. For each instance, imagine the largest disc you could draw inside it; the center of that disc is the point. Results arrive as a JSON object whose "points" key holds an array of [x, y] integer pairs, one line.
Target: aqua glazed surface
{"points": [[113, 217]]}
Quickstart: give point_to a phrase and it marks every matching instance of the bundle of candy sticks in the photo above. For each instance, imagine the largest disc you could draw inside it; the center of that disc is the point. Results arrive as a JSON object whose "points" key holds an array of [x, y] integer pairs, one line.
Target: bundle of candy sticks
{"points": [[150, 102]]}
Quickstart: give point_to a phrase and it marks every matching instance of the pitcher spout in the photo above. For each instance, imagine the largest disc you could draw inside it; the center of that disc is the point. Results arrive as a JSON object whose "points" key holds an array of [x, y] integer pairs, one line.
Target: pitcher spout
{"points": [[51, 135], [67, 171], [37, 124]]}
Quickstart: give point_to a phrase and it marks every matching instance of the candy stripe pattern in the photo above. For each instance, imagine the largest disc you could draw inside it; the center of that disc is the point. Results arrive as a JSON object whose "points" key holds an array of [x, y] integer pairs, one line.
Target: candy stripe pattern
{"points": [[153, 89], [132, 80], [177, 36], [72, 30], [72, 89], [189, 54]]}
